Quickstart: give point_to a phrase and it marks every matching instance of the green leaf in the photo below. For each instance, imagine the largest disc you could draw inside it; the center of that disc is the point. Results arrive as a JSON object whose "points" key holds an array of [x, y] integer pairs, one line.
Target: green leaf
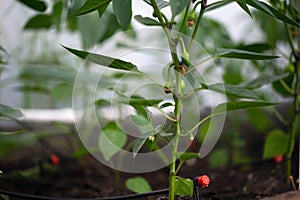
{"points": [[178, 5], [56, 13], [265, 8], [142, 110], [147, 21], [259, 5], [263, 80], [217, 4], [94, 30], [255, 47], [160, 3], [184, 186], [103, 60], [102, 9], [166, 104], [241, 54], [6, 111], [238, 105], [71, 23], [3, 50], [140, 120], [123, 11], [159, 129], [102, 102], [283, 86], [151, 145], [111, 141], [136, 100], [145, 127], [13, 133], [90, 6], [138, 185], [139, 103], [91, 28], [35, 4], [239, 91], [39, 21], [184, 156], [112, 26], [244, 6], [75, 6], [232, 90], [138, 144], [275, 144]]}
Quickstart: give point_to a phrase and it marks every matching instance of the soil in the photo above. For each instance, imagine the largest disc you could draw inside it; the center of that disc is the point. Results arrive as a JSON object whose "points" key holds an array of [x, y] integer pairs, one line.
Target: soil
{"points": [[85, 177]]}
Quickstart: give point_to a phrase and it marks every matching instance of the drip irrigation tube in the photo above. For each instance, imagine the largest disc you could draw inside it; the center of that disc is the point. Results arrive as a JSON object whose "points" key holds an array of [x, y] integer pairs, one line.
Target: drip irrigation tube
{"points": [[37, 197]]}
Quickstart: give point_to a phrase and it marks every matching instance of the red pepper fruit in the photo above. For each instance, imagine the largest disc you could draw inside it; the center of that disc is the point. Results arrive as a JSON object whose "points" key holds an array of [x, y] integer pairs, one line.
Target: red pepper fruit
{"points": [[54, 159], [203, 181], [278, 159]]}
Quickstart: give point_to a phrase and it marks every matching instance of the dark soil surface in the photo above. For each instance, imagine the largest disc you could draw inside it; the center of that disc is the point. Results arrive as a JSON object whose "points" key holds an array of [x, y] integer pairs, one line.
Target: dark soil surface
{"points": [[88, 178]]}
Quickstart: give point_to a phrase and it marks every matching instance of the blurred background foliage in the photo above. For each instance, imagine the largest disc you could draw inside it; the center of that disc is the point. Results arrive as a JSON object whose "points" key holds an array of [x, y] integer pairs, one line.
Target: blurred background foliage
{"points": [[43, 73]]}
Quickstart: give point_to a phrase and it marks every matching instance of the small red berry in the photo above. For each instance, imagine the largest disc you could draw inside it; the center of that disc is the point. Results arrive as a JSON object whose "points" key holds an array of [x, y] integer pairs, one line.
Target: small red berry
{"points": [[278, 159], [203, 181], [54, 159]]}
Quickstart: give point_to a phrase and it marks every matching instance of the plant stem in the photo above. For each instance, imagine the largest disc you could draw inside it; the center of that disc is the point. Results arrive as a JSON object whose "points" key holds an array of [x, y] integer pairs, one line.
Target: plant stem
{"points": [[161, 19], [166, 115], [199, 64], [286, 87], [178, 167], [203, 6], [290, 40], [185, 18], [117, 181], [294, 124], [161, 154], [295, 120], [177, 113], [177, 93], [201, 122], [167, 32], [281, 118]]}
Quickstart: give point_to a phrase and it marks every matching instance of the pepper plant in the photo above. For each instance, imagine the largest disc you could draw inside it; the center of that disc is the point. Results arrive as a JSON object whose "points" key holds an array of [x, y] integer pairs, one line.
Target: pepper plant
{"points": [[183, 21]]}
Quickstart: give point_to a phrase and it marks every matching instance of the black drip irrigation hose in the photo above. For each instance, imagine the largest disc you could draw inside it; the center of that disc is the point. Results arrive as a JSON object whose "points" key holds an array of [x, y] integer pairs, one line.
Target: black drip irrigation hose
{"points": [[196, 194], [123, 197], [37, 197]]}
